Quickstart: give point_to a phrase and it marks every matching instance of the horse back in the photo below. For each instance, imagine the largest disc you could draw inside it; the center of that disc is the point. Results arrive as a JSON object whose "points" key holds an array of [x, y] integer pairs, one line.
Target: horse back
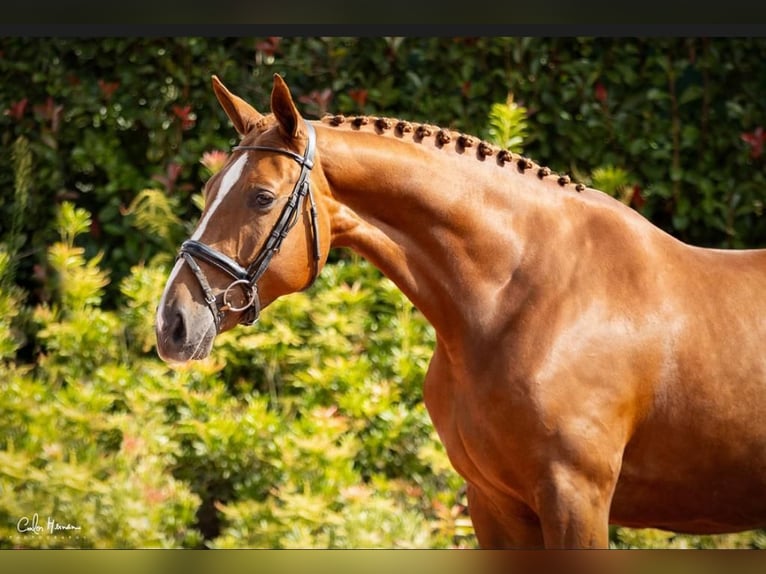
{"points": [[702, 442]]}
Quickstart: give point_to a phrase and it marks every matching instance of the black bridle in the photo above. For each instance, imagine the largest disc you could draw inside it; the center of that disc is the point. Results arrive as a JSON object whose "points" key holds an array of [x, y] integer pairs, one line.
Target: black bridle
{"points": [[247, 278]]}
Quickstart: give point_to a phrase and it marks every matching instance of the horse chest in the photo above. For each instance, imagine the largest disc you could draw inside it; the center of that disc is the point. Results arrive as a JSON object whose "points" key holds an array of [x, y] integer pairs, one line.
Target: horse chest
{"points": [[480, 429]]}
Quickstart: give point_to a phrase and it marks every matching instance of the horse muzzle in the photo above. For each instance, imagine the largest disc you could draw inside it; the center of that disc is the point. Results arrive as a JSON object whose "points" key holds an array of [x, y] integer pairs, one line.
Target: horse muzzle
{"points": [[185, 331]]}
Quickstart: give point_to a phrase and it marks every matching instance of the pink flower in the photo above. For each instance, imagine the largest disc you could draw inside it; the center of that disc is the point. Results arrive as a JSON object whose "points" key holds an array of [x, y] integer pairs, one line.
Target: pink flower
{"points": [[214, 160], [155, 495], [132, 445]]}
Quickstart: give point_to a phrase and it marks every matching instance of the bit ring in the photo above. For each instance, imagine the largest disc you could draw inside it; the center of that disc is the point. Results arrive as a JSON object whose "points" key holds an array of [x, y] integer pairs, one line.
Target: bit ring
{"points": [[227, 306]]}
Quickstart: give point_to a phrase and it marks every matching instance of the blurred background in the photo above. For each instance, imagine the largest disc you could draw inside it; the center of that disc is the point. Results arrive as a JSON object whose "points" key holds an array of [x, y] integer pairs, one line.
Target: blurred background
{"points": [[307, 430]]}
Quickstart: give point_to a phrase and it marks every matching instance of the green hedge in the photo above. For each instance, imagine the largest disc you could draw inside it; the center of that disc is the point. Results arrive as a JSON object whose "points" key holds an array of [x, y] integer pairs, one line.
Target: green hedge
{"points": [[308, 430]]}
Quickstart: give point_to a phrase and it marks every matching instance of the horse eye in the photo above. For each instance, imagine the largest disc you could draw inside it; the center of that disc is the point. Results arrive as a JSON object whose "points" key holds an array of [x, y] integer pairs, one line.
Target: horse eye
{"points": [[261, 199]]}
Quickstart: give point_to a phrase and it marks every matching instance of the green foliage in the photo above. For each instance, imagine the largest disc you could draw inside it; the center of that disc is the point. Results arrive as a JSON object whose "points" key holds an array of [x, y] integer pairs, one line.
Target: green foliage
{"points": [[508, 125], [11, 244], [84, 442], [22, 169], [89, 454], [650, 538], [80, 282], [615, 181], [155, 213], [10, 304]]}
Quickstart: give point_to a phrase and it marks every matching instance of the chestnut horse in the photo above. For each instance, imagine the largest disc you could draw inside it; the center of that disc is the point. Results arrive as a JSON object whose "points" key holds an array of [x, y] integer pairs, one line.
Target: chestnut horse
{"points": [[589, 369]]}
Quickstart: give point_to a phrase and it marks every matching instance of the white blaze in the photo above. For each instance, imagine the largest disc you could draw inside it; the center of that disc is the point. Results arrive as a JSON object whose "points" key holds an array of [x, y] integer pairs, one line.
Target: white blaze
{"points": [[231, 177]]}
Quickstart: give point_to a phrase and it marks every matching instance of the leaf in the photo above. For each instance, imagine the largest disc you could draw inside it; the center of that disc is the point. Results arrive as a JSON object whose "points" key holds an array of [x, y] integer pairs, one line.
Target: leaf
{"points": [[507, 125], [155, 213], [71, 221]]}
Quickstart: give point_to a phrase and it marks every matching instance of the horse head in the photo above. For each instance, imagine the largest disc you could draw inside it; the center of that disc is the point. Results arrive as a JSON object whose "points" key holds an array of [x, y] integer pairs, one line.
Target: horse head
{"points": [[260, 235]]}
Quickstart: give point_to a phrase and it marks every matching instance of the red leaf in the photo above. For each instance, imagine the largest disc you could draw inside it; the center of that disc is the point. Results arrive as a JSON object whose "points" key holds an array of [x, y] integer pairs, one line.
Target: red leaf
{"points": [[600, 92], [184, 113], [269, 46], [637, 200], [108, 88], [319, 99], [755, 140], [169, 180], [50, 112], [16, 109], [359, 96]]}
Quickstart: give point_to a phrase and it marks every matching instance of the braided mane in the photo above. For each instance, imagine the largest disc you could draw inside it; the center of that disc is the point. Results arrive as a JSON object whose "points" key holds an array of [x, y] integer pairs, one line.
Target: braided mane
{"points": [[444, 136]]}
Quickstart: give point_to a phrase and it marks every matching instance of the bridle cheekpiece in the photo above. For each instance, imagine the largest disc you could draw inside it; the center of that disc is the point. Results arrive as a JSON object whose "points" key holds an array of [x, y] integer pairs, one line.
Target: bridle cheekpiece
{"points": [[247, 278]]}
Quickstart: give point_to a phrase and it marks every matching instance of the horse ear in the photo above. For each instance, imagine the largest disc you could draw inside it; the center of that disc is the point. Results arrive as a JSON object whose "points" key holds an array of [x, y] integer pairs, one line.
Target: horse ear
{"points": [[284, 108], [242, 115]]}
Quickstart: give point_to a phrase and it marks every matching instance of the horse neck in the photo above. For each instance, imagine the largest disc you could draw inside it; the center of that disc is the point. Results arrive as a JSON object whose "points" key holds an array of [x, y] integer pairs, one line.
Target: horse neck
{"points": [[444, 225]]}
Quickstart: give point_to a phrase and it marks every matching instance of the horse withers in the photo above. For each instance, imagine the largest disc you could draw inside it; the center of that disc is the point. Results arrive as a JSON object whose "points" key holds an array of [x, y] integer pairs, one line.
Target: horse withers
{"points": [[589, 369]]}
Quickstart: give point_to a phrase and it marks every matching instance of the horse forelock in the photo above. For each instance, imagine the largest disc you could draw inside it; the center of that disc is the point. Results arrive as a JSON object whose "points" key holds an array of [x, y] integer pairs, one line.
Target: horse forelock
{"points": [[266, 131], [420, 132], [259, 128], [265, 122]]}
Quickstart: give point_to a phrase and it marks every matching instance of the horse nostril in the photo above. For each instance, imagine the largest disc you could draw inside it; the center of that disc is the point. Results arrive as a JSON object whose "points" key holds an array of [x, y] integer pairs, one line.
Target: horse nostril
{"points": [[178, 328]]}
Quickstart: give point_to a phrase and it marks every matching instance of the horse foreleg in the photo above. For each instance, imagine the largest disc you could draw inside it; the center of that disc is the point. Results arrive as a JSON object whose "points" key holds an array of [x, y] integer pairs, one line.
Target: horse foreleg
{"points": [[574, 510], [510, 524]]}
